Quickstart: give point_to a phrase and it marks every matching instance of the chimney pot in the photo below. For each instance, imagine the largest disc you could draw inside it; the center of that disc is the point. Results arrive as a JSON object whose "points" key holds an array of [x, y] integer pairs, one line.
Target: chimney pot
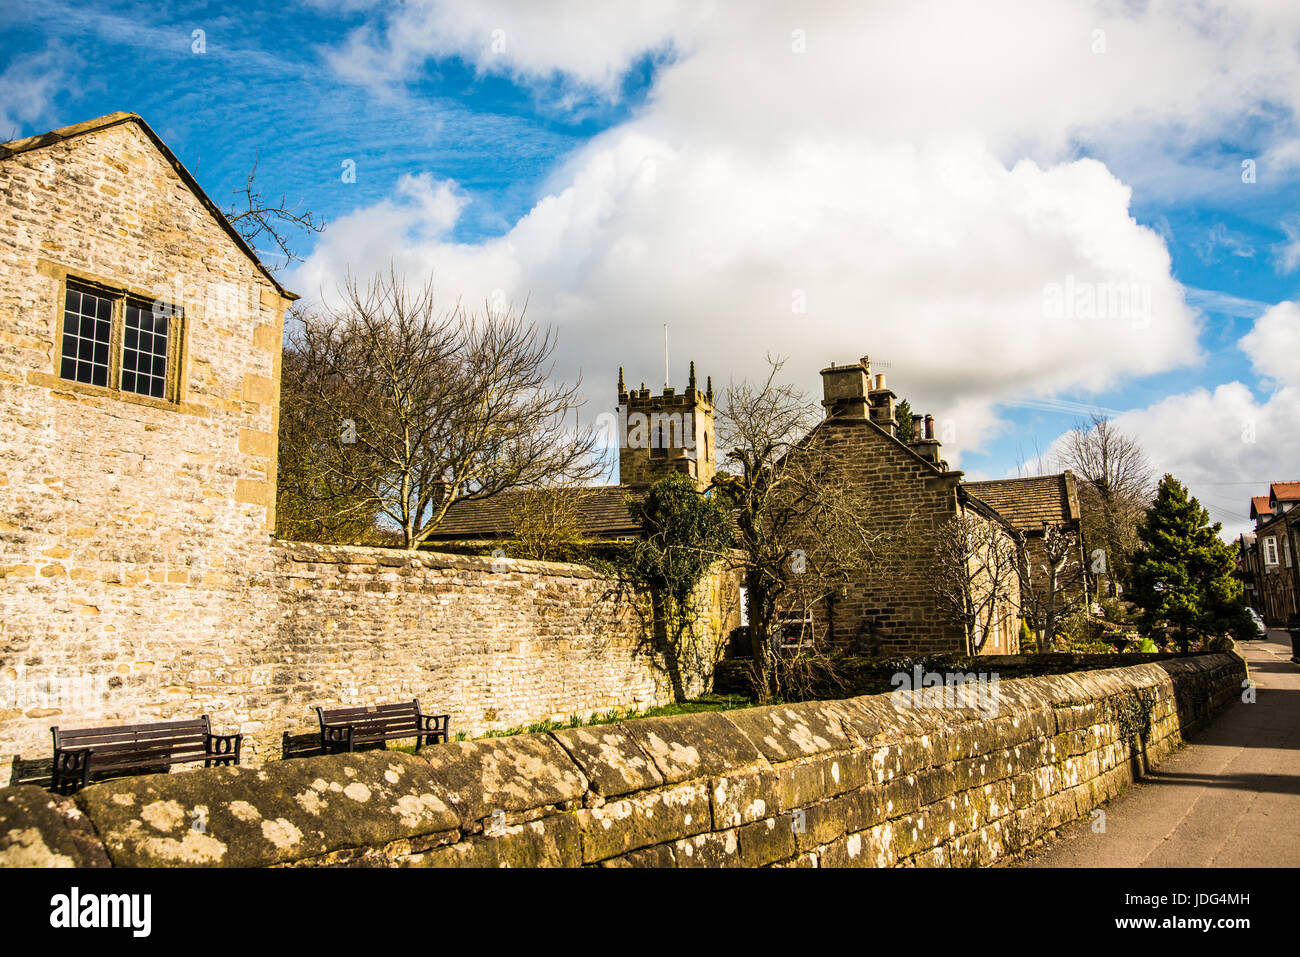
{"points": [[929, 426]]}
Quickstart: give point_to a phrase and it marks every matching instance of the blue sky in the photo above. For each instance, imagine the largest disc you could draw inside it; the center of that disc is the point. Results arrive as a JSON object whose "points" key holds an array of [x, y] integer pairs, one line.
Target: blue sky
{"points": [[279, 103], [919, 185]]}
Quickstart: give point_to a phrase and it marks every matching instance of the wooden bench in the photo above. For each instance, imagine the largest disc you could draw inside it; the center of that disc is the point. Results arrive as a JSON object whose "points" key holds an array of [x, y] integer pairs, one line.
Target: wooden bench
{"points": [[132, 747], [343, 729]]}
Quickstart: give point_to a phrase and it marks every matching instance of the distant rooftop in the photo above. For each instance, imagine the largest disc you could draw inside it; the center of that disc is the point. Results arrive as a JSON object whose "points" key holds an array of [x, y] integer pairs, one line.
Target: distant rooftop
{"points": [[1026, 503], [602, 513]]}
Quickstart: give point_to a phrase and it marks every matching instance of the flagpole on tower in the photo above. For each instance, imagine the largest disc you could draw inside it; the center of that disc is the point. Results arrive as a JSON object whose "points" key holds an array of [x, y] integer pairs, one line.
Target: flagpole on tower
{"points": [[665, 355]]}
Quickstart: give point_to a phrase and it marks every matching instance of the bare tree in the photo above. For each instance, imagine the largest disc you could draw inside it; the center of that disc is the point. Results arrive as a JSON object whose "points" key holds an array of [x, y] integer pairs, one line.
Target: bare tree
{"points": [[803, 531], [254, 217], [975, 575], [1049, 580], [321, 495], [418, 408], [547, 522], [1116, 485]]}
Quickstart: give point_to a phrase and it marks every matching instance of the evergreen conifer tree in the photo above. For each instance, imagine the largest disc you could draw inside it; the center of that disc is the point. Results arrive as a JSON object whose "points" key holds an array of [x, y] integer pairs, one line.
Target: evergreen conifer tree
{"points": [[1183, 575]]}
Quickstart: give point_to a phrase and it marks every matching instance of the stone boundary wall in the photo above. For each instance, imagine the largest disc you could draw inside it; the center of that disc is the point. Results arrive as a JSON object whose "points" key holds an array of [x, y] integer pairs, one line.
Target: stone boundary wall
{"points": [[856, 782], [495, 643]]}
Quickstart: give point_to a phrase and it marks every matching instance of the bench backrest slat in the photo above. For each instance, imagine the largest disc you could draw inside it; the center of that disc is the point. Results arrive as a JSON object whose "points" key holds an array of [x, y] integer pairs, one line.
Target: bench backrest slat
{"points": [[166, 732], [354, 714], [139, 757]]}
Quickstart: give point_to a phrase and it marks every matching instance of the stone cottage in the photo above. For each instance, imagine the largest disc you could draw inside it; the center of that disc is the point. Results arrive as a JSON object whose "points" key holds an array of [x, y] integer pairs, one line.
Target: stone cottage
{"points": [[907, 488], [139, 368], [140, 345]]}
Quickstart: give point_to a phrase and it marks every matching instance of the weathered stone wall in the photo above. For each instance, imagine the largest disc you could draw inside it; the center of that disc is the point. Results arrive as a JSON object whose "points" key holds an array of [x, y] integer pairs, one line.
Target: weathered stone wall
{"points": [[98, 484], [495, 643], [836, 783], [138, 579], [895, 613]]}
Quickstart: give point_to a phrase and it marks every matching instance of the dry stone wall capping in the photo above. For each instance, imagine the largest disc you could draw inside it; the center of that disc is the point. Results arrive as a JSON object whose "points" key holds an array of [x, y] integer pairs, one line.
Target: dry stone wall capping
{"points": [[856, 782]]}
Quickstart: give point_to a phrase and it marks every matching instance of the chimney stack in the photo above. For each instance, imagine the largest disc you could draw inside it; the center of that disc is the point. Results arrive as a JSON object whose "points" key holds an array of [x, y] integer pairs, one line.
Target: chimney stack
{"points": [[845, 389], [925, 444], [881, 399]]}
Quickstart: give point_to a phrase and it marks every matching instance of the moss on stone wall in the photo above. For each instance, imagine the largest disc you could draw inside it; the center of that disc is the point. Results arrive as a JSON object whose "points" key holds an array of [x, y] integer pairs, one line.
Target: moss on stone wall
{"points": [[853, 782]]}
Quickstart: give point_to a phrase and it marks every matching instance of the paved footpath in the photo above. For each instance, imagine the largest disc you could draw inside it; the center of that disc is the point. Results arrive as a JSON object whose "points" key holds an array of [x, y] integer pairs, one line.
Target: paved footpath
{"points": [[1230, 798]]}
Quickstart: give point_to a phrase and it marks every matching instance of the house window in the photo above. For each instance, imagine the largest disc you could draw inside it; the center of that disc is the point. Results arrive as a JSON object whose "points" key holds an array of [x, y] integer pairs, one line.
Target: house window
{"points": [[117, 341], [1286, 552], [1270, 551], [87, 335], [795, 630], [144, 351]]}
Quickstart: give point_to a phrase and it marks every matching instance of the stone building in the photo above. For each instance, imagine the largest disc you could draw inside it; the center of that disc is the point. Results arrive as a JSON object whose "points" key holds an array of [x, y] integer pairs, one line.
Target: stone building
{"points": [[902, 477], [666, 433], [1269, 557], [908, 488], [139, 368], [1036, 506], [658, 435], [139, 363], [140, 344]]}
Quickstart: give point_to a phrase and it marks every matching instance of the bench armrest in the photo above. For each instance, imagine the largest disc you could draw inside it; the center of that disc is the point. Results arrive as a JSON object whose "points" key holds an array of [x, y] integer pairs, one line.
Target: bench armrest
{"points": [[71, 769], [336, 737], [435, 726], [224, 746]]}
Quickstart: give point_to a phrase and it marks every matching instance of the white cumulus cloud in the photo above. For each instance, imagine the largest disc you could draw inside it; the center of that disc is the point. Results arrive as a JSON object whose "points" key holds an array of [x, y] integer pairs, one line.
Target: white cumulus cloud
{"points": [[832, 180]]}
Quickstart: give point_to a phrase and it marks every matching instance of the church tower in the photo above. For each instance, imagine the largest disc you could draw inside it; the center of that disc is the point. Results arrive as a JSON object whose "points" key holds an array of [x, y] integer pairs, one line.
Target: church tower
{"points": [[663, 434]]}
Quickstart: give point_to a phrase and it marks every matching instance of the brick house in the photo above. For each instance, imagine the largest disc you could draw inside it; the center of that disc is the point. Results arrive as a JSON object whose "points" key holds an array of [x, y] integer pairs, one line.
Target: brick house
{"points": [[1268, 557]]}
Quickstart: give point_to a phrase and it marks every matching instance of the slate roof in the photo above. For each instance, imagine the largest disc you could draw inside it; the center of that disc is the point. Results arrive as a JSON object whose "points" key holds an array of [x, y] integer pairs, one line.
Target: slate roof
{"points": [[603, 514], [1026, 503]]}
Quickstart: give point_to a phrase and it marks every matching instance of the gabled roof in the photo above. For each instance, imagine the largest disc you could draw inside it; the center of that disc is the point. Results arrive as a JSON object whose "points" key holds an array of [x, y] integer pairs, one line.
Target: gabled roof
{"points": [[984, 508], [1026, 503], [1259, 506], [1284, 492], [856, 421], [602, 513], [15, 147]]}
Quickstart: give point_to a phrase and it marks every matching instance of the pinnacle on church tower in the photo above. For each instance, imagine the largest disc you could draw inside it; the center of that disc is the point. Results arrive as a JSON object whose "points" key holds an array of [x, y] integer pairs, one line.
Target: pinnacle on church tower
{"points": [[667, 433]]}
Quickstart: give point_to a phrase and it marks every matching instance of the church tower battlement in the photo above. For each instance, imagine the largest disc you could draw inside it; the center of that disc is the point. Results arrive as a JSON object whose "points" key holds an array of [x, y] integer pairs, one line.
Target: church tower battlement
{"points": [[667, 433]]}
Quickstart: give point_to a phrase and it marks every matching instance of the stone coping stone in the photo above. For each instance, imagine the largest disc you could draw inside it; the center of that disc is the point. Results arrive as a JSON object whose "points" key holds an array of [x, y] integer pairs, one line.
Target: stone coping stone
{"points": [[786, 732], [40, 829], [398, 557], [278, 813], [611, 760], [684, 747], [517, 773]]}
